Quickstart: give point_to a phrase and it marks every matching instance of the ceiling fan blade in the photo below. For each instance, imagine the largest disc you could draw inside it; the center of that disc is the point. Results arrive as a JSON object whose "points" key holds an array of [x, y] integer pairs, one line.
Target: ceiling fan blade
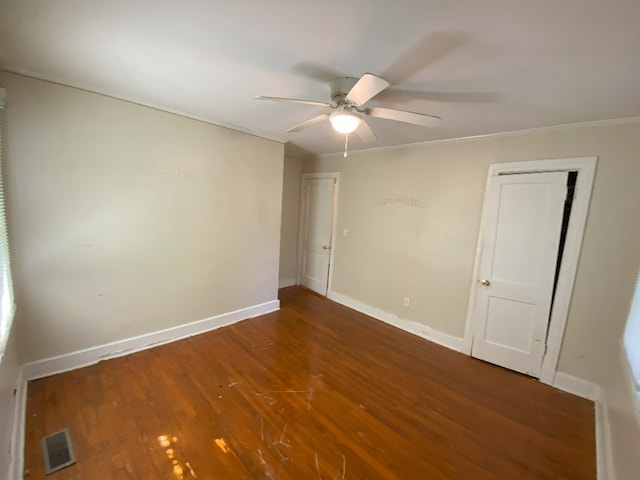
{"points": [[308, 123], [367, 87], [295, 100], [404, 116], [365, 133]]}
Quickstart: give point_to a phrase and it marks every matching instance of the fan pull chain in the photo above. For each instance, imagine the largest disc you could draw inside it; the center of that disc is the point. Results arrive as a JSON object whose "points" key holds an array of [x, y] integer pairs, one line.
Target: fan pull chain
{"points": [[346, 144]]}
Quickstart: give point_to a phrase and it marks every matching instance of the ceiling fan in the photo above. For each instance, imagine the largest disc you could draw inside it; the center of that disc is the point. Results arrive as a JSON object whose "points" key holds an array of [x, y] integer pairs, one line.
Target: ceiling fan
{"points": [[347, 110]]}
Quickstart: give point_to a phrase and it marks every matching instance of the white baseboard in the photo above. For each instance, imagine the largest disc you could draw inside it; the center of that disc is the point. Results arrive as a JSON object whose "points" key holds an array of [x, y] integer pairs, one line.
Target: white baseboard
{"points": [[286, 282], [428, 333], [577, 386], [604, 455], [16, 465], [90, 356]]}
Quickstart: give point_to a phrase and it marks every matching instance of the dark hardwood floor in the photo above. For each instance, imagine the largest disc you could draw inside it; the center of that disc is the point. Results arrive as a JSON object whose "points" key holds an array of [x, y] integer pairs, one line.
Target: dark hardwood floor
{"points": [[315, 391]]}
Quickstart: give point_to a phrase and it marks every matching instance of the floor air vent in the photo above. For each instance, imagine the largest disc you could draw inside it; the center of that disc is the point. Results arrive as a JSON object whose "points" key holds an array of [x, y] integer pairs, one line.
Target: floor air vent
{"points": [[57, 451]]}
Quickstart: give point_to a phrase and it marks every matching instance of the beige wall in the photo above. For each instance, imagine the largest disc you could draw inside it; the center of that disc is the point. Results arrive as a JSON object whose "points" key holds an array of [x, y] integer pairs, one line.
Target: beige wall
{"points": [[127, 220], [413, 214], [289, 228]]}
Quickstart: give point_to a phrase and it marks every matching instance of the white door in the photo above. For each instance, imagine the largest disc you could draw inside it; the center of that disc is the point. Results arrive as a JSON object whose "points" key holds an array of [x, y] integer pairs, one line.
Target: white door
{"points": [[522, 220], [318, 203]]}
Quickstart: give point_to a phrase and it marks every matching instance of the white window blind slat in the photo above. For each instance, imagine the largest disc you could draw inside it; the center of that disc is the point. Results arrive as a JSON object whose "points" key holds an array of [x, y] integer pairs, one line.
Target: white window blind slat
{"points": [[7, 306]]}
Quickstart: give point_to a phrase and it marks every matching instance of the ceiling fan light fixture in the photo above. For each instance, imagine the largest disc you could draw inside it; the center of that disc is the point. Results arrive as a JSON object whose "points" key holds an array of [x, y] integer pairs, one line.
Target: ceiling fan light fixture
{"points": [[344, 122]]}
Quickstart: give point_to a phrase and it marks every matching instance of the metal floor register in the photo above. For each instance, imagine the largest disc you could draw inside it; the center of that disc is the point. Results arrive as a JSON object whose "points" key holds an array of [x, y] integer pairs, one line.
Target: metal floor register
{"points": [[57, 451]]}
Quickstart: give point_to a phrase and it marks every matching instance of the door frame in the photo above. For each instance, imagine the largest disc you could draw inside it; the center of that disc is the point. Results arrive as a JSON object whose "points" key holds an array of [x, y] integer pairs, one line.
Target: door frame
{"points": [[301, 223], [586, 168]]}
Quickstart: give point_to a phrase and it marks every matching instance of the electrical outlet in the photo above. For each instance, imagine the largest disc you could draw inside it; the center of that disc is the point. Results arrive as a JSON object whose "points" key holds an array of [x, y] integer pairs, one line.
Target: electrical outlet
{"points": [[407, 302]]}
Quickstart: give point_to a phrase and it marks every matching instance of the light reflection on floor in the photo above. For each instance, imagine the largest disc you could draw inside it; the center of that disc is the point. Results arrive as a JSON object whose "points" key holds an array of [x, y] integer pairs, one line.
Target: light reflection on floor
{"points": [[181, 472]]}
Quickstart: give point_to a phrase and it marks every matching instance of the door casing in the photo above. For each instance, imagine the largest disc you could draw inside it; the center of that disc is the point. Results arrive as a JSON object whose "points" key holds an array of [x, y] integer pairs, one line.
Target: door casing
{"points": [[301, 220], [586, 168]]}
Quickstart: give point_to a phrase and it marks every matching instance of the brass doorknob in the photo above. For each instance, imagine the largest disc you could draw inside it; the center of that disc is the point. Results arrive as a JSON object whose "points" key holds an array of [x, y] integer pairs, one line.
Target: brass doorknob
{"points": [[485, 283]]}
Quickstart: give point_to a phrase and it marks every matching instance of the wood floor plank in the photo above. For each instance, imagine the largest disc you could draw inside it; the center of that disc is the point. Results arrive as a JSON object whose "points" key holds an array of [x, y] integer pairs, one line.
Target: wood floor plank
{"points": [[314, 391]]}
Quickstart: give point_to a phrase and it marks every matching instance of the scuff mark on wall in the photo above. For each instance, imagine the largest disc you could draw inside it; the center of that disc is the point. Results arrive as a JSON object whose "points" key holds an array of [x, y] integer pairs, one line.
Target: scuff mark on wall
{"points": [[406, 201]]}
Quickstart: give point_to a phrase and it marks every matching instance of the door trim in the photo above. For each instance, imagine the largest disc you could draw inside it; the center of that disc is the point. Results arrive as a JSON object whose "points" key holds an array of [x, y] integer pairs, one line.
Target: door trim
{"points": [[301, 210], [586, 168]]}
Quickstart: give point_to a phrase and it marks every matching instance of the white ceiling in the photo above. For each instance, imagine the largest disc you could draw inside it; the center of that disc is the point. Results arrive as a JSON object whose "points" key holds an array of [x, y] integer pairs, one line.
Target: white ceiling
{"points": [[483, 66]]}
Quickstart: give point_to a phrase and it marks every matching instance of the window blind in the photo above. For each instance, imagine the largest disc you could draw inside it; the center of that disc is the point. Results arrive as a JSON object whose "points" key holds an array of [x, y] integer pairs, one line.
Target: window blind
{"points": [[631, 338], [7, 307]]}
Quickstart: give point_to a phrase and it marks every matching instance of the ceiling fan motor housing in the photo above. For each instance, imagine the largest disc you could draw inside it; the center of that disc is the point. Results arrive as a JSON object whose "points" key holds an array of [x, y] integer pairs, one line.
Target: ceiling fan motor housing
{"points": [[340, 88]]}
